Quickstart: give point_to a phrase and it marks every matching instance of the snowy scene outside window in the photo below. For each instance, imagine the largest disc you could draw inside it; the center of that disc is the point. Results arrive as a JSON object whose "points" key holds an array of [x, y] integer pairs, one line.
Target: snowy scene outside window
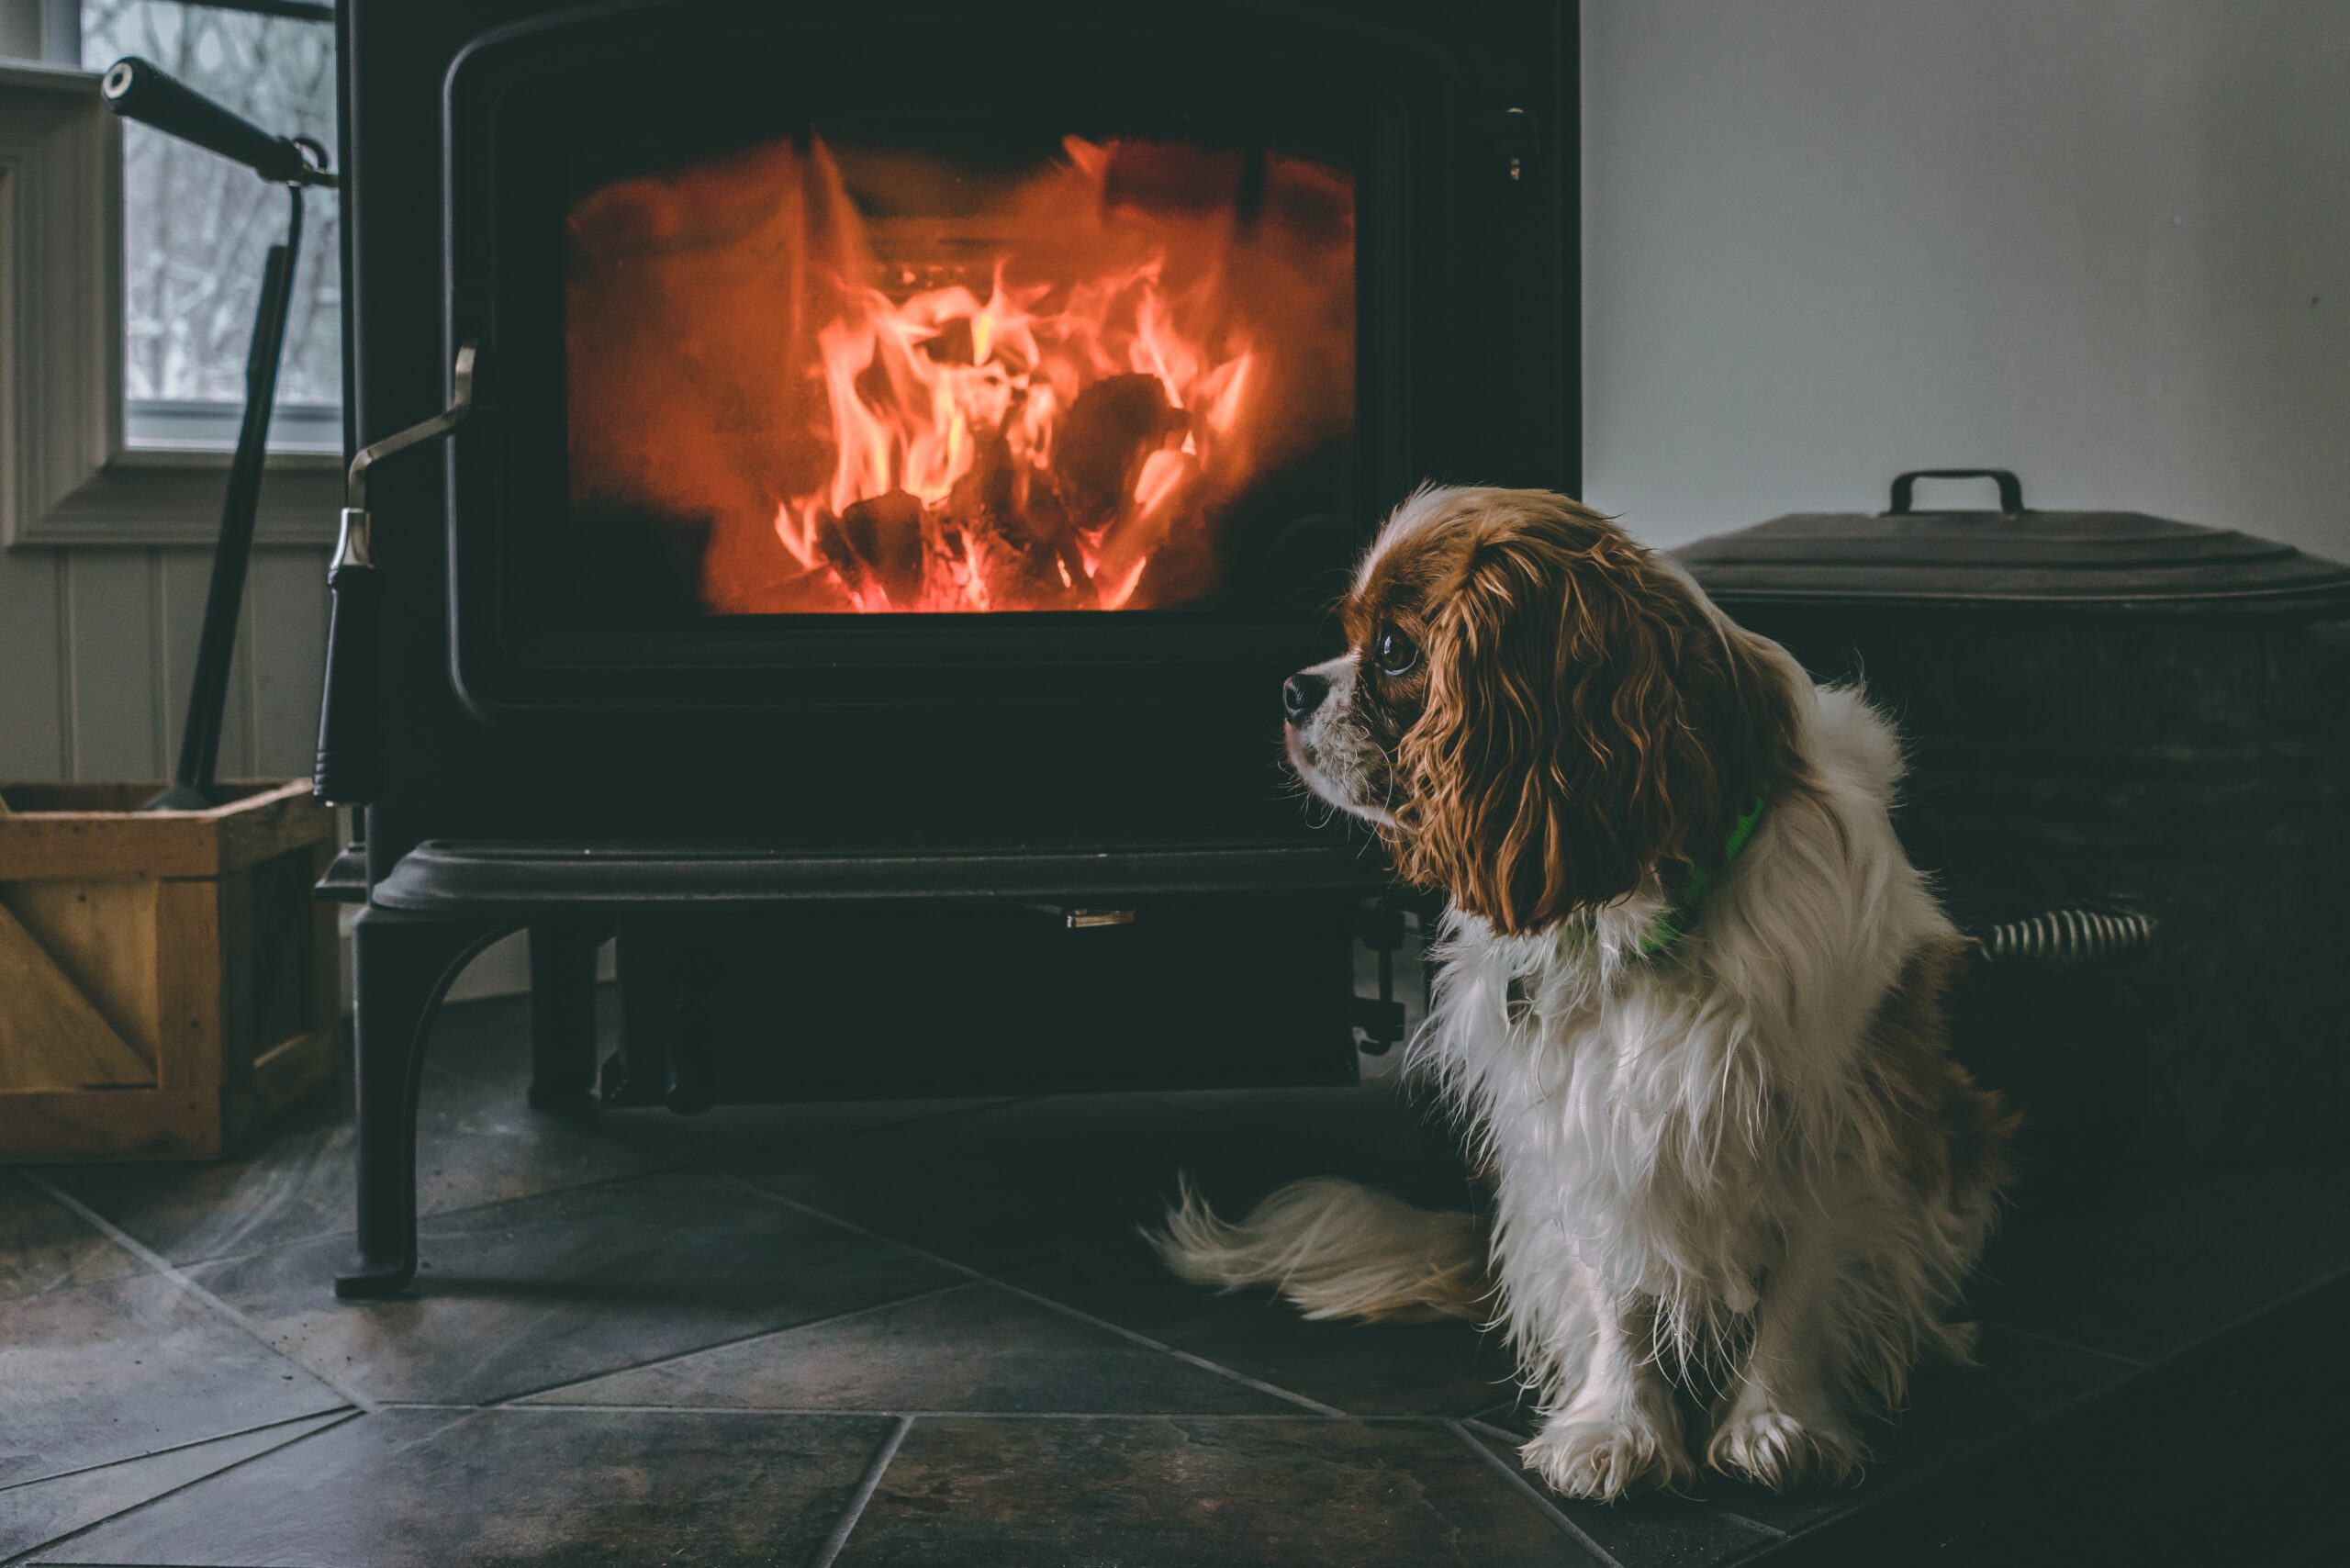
{"points": [[197, 227]]}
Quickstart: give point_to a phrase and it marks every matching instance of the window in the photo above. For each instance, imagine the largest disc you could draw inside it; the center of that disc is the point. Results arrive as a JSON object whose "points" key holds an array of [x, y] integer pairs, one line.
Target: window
{"points": [[196, 226]]}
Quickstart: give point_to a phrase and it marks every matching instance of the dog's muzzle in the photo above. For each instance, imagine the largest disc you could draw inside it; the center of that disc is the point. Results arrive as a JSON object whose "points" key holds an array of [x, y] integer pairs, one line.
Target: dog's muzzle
{"points": [[1301, 693]]}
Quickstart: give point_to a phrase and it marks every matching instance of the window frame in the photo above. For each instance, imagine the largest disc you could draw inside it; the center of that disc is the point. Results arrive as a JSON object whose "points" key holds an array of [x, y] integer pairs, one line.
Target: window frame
{"points": [[68, 474]]}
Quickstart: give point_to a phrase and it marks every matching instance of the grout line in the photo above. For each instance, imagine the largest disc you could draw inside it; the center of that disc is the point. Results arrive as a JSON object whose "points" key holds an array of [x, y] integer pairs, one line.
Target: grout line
{"points": [[1516, 1441], [867, 1484], [2064, 1407], [55, 1542], [661, 1165], [1260, 1384], [423, 1216], [1533, 1494], [1498, 1434], [2246, 1319], [161, 1265], [1766, 1549], [755, 1334], [1329, 1412], [2133, 1362], [173, 1448]]}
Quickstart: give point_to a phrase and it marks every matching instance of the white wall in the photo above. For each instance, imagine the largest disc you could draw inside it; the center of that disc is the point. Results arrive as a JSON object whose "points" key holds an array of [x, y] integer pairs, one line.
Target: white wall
{"points": [[2103, 242], [97, 646]]}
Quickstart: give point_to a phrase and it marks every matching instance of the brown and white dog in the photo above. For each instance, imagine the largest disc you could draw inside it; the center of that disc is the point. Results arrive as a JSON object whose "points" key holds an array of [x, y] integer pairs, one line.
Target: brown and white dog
{"points": [[1690, 1006]]}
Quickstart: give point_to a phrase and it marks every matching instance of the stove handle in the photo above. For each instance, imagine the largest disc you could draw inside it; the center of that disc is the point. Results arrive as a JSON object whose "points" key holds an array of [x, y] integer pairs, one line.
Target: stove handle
{"points": [[350, 721], [351, 745]]}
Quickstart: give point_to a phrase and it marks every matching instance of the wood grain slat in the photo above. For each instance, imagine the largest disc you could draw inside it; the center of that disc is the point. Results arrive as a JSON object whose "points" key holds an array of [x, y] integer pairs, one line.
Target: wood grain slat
{"points": [[193, 978], [51, 1036], [81, 830], [167, 980], [123, 1123], [272, 821], [98, 932]]}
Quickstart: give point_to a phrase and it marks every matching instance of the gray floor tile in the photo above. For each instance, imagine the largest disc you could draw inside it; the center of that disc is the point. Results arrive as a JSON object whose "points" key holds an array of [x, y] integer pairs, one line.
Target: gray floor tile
{"points": [[109, 1372], [976, 1348], [477, 1143], [553, 1488], [2322, 1180], [46, 1246], [1952, 1410], [43, 1511], [1383, 1121], [2102, 1269], [1019, 1184], [1432, 1369], [1197, 1492], [1653, 1530], [518, 1297]]}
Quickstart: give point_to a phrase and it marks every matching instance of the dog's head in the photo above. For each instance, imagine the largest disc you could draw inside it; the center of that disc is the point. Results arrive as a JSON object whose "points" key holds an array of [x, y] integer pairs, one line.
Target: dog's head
{"points": [[1534, 710]]}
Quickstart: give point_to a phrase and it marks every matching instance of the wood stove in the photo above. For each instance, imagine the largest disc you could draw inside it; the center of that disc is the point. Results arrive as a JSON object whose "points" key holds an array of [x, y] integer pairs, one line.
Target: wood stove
{"points": [[910, 448]]}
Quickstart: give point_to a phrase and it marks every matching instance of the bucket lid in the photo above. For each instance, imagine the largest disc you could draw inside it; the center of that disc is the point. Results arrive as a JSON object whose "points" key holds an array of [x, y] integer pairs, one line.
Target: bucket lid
{"points": [[2013, 554]]}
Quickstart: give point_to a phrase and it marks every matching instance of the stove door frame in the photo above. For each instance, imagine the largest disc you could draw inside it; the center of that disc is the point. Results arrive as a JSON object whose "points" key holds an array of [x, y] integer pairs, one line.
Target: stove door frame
{"points": [[1433, 194]]}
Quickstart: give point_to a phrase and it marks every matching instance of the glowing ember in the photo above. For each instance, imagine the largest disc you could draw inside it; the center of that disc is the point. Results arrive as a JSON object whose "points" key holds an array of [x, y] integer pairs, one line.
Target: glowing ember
{"points": [[1051, 404]]}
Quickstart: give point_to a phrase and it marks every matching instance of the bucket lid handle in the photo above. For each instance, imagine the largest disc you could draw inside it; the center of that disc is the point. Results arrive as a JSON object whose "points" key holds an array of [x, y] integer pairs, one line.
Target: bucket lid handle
{"points": [[2010, 487]]}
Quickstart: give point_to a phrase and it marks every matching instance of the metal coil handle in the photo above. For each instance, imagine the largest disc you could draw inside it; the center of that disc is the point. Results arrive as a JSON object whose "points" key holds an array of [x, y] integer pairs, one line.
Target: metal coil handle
{"points": [[1905, 487], [2066, 939]]}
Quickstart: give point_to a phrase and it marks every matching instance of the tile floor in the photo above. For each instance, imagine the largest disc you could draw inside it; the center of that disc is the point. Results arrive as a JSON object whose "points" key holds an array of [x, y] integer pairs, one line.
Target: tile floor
{"points": [[925, 1333]]}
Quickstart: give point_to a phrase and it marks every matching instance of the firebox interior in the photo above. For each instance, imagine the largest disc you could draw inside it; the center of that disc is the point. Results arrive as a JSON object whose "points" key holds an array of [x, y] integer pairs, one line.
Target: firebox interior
{"points": [[953, 362]]}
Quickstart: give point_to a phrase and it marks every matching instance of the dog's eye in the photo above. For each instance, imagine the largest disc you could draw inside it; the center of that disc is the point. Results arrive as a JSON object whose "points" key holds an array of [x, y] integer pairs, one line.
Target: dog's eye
{"points": [[1394, 653]]}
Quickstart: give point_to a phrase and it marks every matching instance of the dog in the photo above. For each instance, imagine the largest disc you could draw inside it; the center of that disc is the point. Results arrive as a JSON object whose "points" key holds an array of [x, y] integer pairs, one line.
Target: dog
{"points": [[1690, 1008]]}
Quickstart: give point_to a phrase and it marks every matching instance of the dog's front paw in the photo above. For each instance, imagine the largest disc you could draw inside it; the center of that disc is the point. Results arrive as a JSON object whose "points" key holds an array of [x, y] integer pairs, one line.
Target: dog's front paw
{"points": [[1603, 1458], [1773, 1449]]}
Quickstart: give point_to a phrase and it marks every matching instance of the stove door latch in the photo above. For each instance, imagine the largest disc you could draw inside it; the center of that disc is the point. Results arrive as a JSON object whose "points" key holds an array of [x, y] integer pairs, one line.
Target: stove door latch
{"points": [[1513, 138]]}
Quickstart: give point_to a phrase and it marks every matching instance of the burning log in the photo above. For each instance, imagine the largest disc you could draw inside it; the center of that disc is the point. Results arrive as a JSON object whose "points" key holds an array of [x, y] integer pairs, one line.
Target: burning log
{"points": [[1111, 430], [878, 542], [1018, 538]]}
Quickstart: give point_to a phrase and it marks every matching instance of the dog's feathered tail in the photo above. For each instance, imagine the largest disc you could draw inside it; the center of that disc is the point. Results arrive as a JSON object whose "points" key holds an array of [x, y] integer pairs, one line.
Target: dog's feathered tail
{"points": [[1336, 1249]]}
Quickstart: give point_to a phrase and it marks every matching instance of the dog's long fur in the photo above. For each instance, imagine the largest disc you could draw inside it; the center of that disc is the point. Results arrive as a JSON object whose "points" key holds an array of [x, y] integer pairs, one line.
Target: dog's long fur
{"points": [[1741, 1169]]}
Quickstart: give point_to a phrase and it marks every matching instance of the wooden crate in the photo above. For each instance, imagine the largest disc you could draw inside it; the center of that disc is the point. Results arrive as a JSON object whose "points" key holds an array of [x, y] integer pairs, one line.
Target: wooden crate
{"points": [[166, 978]]}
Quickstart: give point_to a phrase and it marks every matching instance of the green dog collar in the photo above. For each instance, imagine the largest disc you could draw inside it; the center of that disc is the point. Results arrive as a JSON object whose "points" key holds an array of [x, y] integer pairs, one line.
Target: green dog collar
{"points": [[1700, 881]]}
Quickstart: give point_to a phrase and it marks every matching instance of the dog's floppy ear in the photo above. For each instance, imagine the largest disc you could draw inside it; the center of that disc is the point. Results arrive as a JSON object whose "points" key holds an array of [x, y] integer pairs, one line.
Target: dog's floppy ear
{"points": [[1588, 718]]}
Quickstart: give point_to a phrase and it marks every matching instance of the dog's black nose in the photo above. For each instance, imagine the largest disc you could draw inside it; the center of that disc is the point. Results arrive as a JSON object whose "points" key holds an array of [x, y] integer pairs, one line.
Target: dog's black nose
{"points": [[1301, 693]]}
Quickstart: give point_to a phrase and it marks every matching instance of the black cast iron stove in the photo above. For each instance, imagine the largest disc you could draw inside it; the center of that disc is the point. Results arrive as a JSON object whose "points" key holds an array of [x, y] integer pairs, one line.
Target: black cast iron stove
{"points": [[909, 447]]}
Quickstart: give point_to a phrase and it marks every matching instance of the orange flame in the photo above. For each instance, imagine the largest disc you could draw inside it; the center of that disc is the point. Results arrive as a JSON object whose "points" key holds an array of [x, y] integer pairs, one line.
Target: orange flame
{"points": [[1069, 440]]}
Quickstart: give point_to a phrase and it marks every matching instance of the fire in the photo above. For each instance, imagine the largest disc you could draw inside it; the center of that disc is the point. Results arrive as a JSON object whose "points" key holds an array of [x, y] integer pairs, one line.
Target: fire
{"points": [[922, 393], [1054, 403]]}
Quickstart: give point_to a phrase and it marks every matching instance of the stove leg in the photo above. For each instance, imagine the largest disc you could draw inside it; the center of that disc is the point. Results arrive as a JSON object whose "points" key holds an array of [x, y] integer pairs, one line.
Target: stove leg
{"points": [[563, 1011], [404, 967]]}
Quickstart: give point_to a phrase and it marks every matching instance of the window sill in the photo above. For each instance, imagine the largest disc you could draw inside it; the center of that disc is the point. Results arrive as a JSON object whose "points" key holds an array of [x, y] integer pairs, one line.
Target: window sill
{"points": [[67, 479], [159, 497]]}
